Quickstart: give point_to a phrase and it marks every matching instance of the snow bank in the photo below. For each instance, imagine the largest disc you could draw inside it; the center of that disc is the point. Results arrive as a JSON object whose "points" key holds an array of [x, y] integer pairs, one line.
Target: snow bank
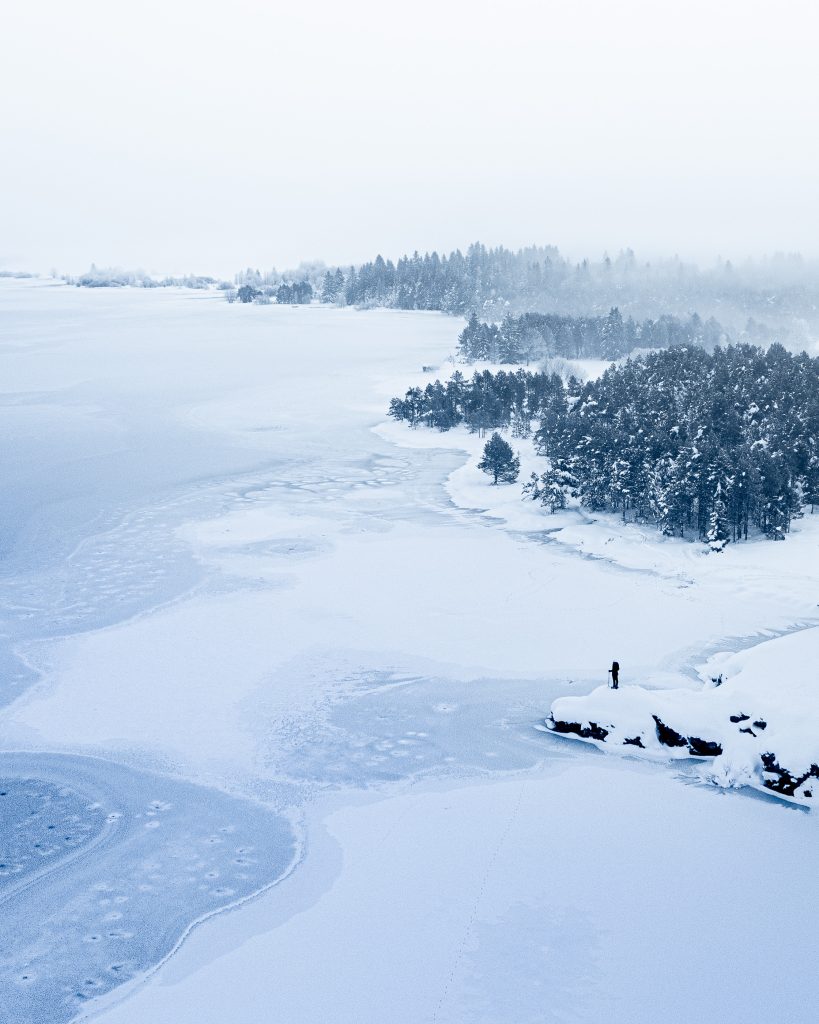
{"points": [[755, 581], [470, 488], [760, 726]]}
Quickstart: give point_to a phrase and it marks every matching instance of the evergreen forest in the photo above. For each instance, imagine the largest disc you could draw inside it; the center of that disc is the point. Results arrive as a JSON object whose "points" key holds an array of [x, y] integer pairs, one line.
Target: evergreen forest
{"points": [[712, 445]]}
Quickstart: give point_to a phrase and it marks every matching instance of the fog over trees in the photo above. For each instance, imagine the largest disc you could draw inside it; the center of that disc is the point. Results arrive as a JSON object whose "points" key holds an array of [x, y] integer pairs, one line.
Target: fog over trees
{"points": [[780, 293], [756, 301]]}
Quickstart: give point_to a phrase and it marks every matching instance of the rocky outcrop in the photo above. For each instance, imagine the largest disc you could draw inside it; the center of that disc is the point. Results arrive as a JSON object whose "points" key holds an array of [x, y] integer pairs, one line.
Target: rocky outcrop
{"points": [[591, 731], [704, 748], [781, 780], [742, 734], [667, 736], [697, 747]]}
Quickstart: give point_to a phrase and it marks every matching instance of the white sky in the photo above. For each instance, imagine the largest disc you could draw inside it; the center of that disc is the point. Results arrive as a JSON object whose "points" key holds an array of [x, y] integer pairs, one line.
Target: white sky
{"points": [[180, 136]]}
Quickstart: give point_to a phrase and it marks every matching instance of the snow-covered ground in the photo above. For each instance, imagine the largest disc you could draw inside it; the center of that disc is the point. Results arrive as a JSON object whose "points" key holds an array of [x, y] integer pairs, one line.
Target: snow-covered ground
{"points": [[756, 718], [218, 574]]}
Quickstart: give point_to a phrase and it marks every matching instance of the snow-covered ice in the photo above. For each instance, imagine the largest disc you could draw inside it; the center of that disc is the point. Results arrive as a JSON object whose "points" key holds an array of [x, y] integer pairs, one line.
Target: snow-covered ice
{"points": [[223, 570], [573, 892], [105, 868]]}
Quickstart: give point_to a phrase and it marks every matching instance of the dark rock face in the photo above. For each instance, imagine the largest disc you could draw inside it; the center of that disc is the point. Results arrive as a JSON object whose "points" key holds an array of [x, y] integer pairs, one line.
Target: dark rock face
{"points": [[667, 736], [760, 723], [591, 732], [775, 778], [704, 748], [780, 780], [671, 738]]}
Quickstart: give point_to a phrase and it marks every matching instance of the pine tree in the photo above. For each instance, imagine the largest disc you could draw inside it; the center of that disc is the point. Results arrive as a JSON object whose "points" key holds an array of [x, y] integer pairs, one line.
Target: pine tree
{"points": [[521, 422], [499, 461], [811, 487], [697, 441], [546, 489], [468, 338], [718, 533], [509, 345], [329, 287], [612, 335]]}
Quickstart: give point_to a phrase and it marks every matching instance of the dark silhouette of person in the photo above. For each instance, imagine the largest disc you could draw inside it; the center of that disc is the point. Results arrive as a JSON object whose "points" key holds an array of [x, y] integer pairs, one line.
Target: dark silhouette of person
{"points": [[614, 671]]}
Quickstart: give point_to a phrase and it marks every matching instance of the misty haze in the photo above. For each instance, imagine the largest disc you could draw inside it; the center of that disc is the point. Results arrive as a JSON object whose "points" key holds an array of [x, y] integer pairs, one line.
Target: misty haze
{"points": [[409, 532]]}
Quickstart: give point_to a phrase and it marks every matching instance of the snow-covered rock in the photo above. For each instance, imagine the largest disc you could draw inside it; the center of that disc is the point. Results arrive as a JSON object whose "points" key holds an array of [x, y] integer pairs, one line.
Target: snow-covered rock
{"points": [[760, 726]]}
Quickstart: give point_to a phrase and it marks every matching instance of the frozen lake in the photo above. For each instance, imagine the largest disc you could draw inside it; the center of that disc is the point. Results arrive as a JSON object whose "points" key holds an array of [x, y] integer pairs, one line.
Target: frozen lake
{"points": [[105, 868], [249, 643]]}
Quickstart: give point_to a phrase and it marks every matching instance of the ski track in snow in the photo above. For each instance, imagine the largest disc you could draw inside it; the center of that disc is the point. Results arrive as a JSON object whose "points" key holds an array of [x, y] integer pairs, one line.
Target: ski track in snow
{"points": [[470, 926]]}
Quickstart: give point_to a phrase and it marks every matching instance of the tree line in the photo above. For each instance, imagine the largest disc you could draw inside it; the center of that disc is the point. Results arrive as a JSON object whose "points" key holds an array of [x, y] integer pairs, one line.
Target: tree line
{"points": [[755, 300], [116, 277], [487, 401], [704, 444], [292, 293], [535, 336]]}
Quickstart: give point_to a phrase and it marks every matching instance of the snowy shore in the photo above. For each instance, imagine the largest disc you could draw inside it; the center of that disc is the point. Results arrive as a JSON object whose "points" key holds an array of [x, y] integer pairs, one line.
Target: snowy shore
{"points": [[756, 718], [264, 596], [760, 728]]}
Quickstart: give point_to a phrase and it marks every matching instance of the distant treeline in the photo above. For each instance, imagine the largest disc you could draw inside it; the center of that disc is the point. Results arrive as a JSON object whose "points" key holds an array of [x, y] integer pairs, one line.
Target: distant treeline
{"points": [[707, 443], [292, 294], [114, 277], [535, 336], [538, 279], [776, 298], [771, 299]]}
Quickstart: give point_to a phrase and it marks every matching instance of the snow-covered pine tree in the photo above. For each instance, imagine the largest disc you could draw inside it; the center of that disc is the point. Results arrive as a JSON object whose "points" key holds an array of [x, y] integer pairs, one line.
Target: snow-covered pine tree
{"points": [[499, 461], [468, 338], [547, 490], [719, 532], [329, 287], [521, 423], [811, 487], [612, 335], [510, 349]]}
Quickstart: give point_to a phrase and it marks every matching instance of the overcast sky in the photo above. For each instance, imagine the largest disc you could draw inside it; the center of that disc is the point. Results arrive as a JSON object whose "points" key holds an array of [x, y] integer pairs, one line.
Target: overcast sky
{"points": [[196, 136]]}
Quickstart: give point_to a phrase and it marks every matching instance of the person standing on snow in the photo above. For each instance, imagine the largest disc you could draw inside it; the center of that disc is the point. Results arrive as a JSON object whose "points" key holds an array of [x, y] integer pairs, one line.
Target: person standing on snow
{"points": [[614, 672]]}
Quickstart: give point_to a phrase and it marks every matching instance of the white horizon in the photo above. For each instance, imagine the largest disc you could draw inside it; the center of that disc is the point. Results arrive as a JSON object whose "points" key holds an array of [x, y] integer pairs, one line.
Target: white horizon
{"points": [[185, 138]]}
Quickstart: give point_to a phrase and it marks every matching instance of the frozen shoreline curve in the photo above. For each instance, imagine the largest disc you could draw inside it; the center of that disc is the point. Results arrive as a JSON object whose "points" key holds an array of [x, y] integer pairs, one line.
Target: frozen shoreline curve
{"points": [[759, 728], [360, 648], [153, 853]]}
